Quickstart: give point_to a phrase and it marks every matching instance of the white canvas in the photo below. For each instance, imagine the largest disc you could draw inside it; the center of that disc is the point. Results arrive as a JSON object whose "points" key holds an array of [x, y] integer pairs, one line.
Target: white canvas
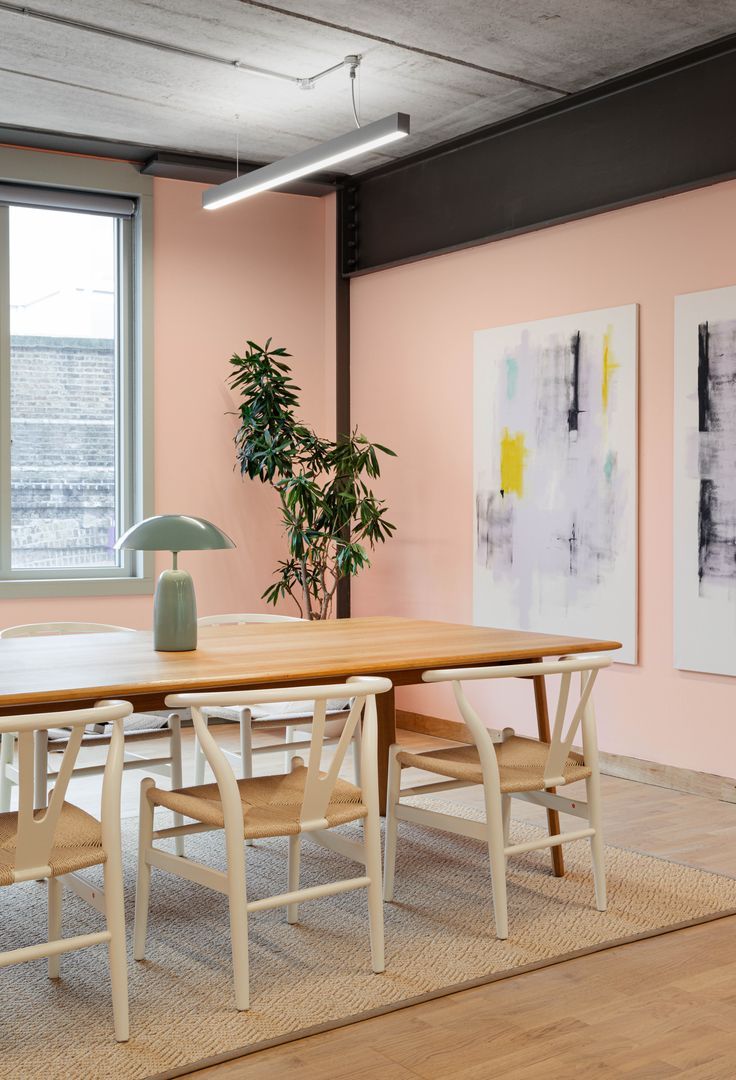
{"points": [[705, 481], [555, 436]]}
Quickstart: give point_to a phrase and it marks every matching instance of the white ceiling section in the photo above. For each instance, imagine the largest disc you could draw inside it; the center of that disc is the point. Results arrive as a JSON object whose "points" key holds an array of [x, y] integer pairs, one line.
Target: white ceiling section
{"points": [[442, 61]]}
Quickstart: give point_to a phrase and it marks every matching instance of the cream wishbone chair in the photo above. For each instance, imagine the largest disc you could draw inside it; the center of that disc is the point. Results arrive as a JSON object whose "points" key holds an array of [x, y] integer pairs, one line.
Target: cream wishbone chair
{"points": [[56, 843], [280, 714], [305, 801], [140, 726], [508, 765]]}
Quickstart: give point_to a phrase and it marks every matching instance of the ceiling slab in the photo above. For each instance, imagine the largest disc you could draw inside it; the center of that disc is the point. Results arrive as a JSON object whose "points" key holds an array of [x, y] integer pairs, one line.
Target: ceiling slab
{"points": [[567, 44], [441, 63]]}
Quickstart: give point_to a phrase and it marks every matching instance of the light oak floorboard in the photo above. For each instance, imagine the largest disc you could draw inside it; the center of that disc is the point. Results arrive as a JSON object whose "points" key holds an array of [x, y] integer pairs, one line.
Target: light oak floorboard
{"points": [[665, 1007]]}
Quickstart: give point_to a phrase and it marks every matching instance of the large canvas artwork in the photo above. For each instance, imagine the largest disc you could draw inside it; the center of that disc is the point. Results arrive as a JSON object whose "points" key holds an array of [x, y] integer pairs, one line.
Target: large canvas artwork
{"points": [[705, 481], [555, 476]]}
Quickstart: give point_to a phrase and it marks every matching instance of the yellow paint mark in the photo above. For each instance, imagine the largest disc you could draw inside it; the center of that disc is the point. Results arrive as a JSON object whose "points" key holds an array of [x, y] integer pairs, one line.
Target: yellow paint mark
{"points": [[609, 366], [513, 458]]}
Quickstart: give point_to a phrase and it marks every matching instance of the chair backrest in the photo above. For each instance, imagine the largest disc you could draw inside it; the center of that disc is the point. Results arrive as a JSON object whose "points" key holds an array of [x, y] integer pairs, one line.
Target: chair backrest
{"points": [[563, 732], [51, 628], [318, 789], [36, 830], [240, 619]]}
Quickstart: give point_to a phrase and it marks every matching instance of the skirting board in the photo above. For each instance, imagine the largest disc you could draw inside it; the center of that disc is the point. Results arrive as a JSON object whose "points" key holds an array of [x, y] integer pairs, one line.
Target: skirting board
{"points": [[709, 785]]}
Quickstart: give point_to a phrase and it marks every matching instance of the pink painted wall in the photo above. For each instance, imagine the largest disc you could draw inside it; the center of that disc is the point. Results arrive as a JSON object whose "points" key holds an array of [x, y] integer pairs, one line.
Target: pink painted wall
{"points": [[253, 270], [412, 333]]}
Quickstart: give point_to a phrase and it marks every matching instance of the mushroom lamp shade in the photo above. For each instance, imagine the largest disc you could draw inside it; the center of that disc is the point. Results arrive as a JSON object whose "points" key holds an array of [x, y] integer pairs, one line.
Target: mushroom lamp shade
{"points": [[174, 604]]}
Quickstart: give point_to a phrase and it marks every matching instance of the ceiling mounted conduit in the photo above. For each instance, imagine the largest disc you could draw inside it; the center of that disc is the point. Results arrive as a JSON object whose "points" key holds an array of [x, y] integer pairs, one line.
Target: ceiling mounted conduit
{"points": [[306, 82]]}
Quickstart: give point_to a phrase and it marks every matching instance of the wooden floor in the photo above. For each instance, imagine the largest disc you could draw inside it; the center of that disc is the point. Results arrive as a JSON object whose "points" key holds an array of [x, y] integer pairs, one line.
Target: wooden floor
{"points": [[660, 1008], [665, 1007]]}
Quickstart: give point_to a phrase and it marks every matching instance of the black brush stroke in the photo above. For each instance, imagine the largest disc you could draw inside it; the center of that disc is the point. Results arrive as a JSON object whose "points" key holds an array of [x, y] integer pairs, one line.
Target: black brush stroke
{"points": [[574, 411], [705, 416], [706, 525]]}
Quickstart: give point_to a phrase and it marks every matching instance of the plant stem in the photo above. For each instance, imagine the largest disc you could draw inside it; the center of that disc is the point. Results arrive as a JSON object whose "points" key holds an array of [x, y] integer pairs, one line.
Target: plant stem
{"points": [[305, 589]]}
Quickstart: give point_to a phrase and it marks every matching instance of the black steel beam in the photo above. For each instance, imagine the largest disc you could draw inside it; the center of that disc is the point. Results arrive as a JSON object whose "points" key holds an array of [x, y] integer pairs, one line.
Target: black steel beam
{"points": [[659, 130], [216, 170], [345, 227], [173, 164]]}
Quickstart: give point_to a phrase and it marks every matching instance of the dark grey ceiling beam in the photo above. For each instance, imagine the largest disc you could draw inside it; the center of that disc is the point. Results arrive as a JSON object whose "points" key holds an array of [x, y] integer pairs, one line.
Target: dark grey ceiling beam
{"points": [[174, 165], [662, 129], [215, 170], [69, 143]]}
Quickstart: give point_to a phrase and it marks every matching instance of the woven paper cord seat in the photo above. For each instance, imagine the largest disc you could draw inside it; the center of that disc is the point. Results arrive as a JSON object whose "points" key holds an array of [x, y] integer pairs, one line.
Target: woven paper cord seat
{"points": [[78, 843], [139, 724], [520, 761], [271, 804], [286, 710]]}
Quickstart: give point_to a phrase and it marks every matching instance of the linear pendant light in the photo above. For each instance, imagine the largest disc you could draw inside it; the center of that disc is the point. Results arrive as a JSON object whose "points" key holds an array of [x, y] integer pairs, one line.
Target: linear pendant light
{"points": [[319, 157]]}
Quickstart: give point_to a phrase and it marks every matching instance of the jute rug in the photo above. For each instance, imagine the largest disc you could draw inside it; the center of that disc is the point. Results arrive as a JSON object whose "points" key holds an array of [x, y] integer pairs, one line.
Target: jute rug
{"points": [[315, 975]]}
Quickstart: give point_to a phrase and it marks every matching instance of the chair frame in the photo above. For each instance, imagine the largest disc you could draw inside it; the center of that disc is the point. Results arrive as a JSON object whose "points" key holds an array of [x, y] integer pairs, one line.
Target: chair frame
{"points": [[318, 791], [35, 840], [248, 724], [494, 831], [169, 765]]}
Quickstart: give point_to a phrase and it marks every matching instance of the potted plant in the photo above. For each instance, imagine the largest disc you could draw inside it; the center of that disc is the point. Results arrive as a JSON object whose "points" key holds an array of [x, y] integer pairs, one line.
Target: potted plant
{"points": [[331, 517]]}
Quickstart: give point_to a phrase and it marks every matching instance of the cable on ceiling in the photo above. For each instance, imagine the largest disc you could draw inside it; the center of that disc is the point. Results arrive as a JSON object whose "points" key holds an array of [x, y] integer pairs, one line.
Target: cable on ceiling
{"points": [[304, 83]]}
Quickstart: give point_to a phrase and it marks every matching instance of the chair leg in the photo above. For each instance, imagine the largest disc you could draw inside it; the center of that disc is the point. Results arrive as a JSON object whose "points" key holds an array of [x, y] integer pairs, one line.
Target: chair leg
{"points": [[238, 905], [246, 749], [143, 880], [177, 778], [295, 851], [506, 817], [7, 741], [494, 825], [199, 760], [392, 799], [356, 754], [372, 849], [54, 922], [290, 736], [294, 857], [597, 850], [115, 916], [246, 746], [41, 769]]}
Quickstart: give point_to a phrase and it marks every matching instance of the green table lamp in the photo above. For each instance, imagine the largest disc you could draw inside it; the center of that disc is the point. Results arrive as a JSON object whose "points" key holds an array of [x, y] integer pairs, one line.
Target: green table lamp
{"points": [[174, 605]]}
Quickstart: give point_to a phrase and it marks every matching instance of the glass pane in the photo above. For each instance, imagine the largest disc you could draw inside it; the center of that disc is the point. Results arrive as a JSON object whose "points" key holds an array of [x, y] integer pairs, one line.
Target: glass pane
{"points": [[63, 388]]}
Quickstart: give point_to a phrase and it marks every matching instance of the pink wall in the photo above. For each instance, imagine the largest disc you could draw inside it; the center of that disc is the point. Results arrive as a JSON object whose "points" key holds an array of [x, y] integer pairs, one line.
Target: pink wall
{"points": [[252, 270], [412, 334]]}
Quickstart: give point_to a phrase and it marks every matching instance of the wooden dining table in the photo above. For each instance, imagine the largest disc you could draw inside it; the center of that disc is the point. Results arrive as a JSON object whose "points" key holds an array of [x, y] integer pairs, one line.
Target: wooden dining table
{"points": [[50, 672]]}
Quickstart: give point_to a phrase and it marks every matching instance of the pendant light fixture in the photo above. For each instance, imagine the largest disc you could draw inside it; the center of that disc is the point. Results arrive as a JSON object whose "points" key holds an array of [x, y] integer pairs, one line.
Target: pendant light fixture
{"points": [[380, 133]]}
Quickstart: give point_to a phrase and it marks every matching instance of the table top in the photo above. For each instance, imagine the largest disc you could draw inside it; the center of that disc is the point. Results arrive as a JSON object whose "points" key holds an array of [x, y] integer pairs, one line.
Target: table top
{"points": [[82, 668]]}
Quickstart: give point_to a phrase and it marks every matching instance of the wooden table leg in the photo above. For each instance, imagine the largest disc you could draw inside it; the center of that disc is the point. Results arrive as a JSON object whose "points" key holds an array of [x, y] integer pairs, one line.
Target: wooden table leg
{"points": [[553, 816], [386, 707]]}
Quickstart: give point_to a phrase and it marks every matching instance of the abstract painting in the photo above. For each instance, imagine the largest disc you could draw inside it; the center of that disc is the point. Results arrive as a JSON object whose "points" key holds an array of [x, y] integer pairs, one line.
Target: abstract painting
{"points": [[555, 435], [705, 481]]}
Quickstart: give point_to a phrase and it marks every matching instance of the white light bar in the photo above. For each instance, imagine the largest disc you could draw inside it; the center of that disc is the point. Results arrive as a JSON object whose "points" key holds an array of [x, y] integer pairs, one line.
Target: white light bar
{"points": [[319, 157]]}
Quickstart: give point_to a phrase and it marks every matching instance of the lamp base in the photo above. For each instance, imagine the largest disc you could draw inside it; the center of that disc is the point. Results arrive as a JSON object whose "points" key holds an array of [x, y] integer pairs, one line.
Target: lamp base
{"points": [[175, 613]]}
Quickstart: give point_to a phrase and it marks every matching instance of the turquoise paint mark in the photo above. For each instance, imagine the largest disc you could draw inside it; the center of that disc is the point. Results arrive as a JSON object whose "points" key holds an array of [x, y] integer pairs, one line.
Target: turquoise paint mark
{"points": [[512, 376], [609, 465]]}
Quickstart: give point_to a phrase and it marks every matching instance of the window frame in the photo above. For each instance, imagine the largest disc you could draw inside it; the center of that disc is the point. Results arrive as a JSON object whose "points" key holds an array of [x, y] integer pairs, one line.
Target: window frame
{"points": [[134, 398]]}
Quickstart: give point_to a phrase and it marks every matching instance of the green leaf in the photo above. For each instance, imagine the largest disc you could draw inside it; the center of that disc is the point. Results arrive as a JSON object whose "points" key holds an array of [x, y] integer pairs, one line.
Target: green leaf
{"points": [[329, 514]]}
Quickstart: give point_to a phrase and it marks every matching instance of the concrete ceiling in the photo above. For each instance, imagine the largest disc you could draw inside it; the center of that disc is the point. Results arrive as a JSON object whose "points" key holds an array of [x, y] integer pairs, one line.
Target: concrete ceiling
{"points": [[453, 66]]}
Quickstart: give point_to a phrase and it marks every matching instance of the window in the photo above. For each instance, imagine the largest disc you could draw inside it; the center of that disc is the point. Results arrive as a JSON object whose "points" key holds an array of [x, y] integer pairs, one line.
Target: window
{"points": [[70, 387]]}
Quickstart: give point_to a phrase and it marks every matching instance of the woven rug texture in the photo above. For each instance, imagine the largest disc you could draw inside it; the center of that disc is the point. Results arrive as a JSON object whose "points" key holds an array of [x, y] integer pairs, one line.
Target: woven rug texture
{"points": [[439, 936]]}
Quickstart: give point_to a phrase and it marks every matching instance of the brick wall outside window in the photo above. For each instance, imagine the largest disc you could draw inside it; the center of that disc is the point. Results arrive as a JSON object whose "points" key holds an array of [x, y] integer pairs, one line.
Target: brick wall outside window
{"points": [[63, 451]]}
